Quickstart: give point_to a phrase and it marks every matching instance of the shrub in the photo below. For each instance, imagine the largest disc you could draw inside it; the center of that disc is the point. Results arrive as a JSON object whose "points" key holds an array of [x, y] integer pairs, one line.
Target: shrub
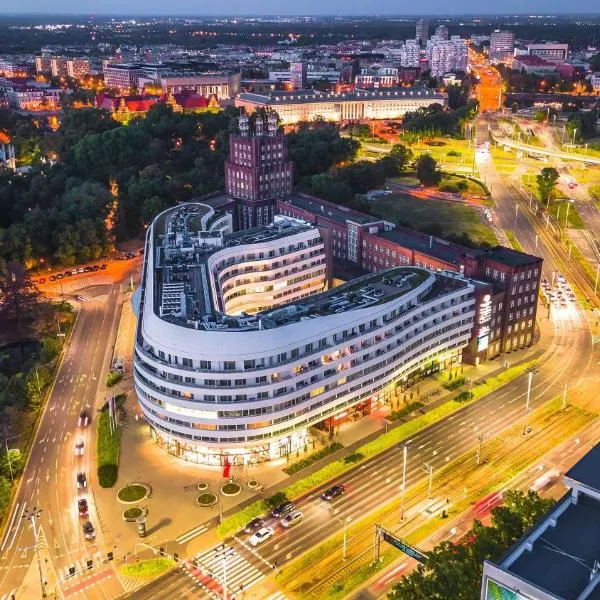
{"points": [[353, 458], [405, 410], [113, 378], [465, 395], [147, 568], [108, 447], [454, 385], [309, 460]]}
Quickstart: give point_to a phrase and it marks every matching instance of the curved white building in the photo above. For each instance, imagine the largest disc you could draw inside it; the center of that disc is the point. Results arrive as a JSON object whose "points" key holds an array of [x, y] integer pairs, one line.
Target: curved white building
{"points": [[239, 348]]}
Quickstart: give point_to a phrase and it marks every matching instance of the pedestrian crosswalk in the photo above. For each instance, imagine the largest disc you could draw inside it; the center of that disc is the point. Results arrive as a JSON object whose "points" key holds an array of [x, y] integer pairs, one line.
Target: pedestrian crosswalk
{"points": [[79, 567], [191, 534], [277, 596], [10, 595], [224, 562]]}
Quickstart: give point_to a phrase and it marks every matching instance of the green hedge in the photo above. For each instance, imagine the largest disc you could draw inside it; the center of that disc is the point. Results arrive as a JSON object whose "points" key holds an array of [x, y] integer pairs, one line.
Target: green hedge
{"points": [[309, 460], [385, 441], [108, 447], [405, 410], [455, 384], [113, 378]]}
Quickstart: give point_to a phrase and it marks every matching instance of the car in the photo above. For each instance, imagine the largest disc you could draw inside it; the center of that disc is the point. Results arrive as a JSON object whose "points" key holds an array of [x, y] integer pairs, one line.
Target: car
{"points": [[88, 531], [79, 445], [333, 492], [74, 272], [254, 525], [81, 270], [59, 276], [67, 273], [292, 519], [87, 269], [84, 418], [95, 268], [103, 266], [52, 277], [81, 481], [283, 509], [82, 507], [261, 536]]}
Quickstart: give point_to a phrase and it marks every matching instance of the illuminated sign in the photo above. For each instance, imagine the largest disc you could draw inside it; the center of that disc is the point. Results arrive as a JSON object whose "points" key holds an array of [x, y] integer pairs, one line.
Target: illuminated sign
{"points": [[485, 309], [403, 546], [497, 591]]}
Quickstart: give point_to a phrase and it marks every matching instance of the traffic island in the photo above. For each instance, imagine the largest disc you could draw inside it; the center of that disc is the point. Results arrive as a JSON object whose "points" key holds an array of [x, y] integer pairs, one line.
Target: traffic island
{"points": [[146, 569], [133, 493], [231, 489], [206, 500], [131, 514]]}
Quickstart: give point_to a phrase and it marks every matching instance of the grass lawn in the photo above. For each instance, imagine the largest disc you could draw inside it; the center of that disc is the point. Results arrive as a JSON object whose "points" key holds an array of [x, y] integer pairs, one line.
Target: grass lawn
{"points": [[473, 188], [585, 175], [148, 568], [594, 191], [505, 161], [452, 154], [514, 242], [445, 217], [559, 207]]}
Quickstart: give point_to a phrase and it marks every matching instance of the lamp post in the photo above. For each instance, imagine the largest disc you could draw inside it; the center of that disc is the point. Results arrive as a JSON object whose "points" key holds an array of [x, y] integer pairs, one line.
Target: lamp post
{"points": [[530, 373], [14, 437], [32, 515], [574, 132], [429, 469], [403, 488], [224, 552], [346, 521]]}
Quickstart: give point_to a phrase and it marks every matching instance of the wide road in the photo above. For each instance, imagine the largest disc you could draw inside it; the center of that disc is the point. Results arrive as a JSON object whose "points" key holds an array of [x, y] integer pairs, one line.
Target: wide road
{"points": [[49, 480]]}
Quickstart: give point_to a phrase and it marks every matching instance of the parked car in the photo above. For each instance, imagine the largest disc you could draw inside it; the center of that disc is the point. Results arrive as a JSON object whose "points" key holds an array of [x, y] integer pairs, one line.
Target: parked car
{"points": [[87, 269], [67, 273], [95, 267], [52, 277], [59, 276], [292, 519], [282, 510], [254, 525], [103, 266], [88, 531], [81, 270], [84, 418], [79, 446], [81, 481], [333, 492], [261, 536], [82, 507], [74, 272]]}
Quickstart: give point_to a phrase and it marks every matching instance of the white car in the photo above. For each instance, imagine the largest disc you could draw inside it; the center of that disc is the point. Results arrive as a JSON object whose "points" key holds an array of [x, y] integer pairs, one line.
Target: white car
{"points": [[79, 448], [292, 519], [260, 536]]}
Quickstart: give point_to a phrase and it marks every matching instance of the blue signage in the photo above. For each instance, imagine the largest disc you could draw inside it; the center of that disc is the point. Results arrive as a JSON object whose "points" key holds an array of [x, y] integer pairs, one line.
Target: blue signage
{"points": [[404, 547]]}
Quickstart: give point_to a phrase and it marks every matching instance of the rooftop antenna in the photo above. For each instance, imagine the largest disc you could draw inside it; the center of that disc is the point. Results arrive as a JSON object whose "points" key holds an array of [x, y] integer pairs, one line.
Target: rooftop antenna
{"points": [[244, 125]]}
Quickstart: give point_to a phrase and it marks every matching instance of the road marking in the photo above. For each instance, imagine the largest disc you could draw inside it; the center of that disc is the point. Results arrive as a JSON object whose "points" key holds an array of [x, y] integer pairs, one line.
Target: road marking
{"points": [[191, 534], [11, 594], [10, 527]]}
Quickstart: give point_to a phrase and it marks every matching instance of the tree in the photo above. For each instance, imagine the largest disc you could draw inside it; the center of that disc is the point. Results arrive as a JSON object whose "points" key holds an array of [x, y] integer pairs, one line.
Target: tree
{"points": [[453, 570], [427, 170], [546, 182], [401, 155], [18, 294]]}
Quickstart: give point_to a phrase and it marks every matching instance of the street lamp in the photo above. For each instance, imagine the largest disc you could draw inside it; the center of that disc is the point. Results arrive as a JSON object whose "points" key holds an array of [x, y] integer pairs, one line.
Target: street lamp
{"points": [[429, 469], [574, 132], [32, 515], [346, 521], [224, 552], [14, 437], [531, 371], [403, 485]]}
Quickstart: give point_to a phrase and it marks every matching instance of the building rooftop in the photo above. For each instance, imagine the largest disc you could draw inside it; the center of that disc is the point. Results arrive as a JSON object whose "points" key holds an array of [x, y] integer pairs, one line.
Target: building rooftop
{"points": [[561, 559], [510, 257], [328, 210], [305, 96], [587, 470]]}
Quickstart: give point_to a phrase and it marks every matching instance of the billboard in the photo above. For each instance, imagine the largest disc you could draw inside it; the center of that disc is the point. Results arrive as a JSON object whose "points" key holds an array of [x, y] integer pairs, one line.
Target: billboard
{"points": [[496, 591]]}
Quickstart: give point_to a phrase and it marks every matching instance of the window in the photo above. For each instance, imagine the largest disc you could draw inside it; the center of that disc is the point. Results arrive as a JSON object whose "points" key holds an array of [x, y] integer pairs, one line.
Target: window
{"points": [[205, 365], [187, 362], [249, 364], [229, 365]]}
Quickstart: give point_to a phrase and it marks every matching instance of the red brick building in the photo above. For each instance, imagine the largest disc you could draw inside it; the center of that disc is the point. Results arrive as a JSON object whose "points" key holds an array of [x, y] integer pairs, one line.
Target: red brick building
{"points": [[258, 172]]}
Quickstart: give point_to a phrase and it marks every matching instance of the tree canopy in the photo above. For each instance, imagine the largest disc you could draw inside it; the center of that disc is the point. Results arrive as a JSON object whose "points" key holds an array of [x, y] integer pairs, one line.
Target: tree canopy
{"points": [[546, 182], [427, 170], [454, 570]]}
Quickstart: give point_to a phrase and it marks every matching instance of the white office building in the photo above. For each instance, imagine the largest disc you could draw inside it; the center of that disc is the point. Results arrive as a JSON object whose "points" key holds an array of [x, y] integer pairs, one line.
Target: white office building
{"points": [[240, 349], [446, 56], [410, 54]]}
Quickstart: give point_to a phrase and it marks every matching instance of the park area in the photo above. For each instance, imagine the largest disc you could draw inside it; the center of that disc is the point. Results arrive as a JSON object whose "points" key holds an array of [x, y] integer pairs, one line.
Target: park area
{"points": [[451, 219]]}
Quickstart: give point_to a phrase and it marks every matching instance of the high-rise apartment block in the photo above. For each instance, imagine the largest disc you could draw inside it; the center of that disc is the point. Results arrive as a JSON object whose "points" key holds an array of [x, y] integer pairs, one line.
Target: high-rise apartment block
{"points": [[502, 45], [442, 32], [447, 55], [410, 54], [422, 31], [258, 171], [58, 66], [43, 64], [298, 77], [78, 67]]}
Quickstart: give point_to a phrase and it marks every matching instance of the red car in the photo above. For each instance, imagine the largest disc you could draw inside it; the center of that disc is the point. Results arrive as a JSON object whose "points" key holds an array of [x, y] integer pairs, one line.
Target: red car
{"points": [[82, 507]]}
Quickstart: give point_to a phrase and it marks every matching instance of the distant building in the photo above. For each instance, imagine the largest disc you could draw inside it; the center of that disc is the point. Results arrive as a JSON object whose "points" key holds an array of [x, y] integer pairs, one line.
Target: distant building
{"points": [[442, 32], [532, 64], [258, 171], [122, 77], [410, 54], [377, 76], [422, 31], [7, 152], [595, 81], [58, 66], [43, 64], [555, 53], [502, 45], [298, 75], [78, 67], [12, 68], [223, 85], [557, 559], [305, 105], [479, 39], [447, 55]]}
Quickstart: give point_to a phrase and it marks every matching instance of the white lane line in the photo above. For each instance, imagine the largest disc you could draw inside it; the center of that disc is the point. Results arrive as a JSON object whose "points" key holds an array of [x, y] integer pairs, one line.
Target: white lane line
{"points": [[186, 537], [10, 527]]}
